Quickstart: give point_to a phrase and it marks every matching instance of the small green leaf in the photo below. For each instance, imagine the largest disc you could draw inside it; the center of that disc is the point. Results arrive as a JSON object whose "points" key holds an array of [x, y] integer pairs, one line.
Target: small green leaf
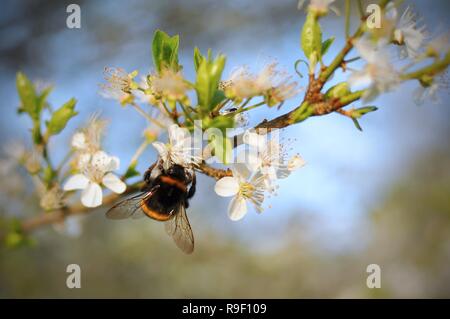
{"points": [[218, 97], [198, 58], [311, 38], [42, 98], [27, 94], [165, 51], [222, 123], [355, 121], [208, 77], [61, 116], [339, 90], [131, 171], [363, 110], [326, 45]]}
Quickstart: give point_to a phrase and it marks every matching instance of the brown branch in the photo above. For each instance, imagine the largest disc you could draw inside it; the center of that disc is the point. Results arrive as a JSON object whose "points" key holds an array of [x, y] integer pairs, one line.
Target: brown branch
{"points": [[47, 218], [210, 171]]}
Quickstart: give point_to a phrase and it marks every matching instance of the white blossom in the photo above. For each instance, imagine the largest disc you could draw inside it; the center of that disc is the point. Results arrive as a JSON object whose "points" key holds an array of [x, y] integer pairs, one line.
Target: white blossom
{"points": [[439, 45], [94, 166], [145, 93], [96, 170], [378, 74], [271, 159], [160, 125], [245, 188], [274, 84], [88, 139], [119, 84], [409, 34], [178, 150], [431, 90], [170, 85]]}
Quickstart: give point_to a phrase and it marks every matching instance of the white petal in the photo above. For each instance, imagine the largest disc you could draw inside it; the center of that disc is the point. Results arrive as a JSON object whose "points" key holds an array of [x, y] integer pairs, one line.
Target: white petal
{"points": [[114, 164], [114, 183], [227, 186], [161, 148], [253, 160], [101, 161], [255, 140], [79, 141], [296, 162], [92, 195], [83, 160], [175, 134], [270, 172], [78, 181], [240, 171], [237, 208], [360, 78]]}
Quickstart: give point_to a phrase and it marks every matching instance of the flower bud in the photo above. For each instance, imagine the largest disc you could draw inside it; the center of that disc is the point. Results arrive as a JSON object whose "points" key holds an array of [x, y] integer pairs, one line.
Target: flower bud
{"points": [[337, 91]]}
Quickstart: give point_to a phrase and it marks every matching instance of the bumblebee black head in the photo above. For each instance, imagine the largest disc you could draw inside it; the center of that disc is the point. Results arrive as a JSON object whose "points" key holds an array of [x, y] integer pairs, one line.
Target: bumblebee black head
{"points": [[177, 171]]}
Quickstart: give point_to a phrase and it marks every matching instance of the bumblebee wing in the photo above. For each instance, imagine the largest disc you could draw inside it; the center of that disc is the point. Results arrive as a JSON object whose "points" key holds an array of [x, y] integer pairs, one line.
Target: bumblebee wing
{"points": [[130, 207], [180, 230]]}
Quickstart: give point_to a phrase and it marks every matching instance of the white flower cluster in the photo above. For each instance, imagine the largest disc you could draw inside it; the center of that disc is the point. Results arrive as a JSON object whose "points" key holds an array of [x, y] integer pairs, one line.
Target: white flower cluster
{"points": [[266, 162], [379, 74], [275, 85], [121, 86], [258, 175], [94, 166], [178, 150]]}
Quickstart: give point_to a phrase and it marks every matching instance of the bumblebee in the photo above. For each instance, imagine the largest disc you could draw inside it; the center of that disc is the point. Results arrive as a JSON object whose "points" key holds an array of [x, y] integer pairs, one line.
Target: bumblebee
{"points": [[164, 197]]}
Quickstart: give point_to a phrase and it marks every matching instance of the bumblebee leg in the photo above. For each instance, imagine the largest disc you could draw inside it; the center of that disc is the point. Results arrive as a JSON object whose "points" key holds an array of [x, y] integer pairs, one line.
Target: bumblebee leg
{"points": [[148, 172], [147, 179], [191, 191]]}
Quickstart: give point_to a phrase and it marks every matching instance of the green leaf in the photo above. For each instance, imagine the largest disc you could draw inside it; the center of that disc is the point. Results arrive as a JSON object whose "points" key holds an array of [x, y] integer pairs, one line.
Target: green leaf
{"points": [[339, 90], [27, 94], [198, 58], [165, 51], [363, 110], [208, 77], [42, 98], [218, 97], [311, 38], [326, 45], [222, 123], [355, 121], [61, 116], [131, 171]]}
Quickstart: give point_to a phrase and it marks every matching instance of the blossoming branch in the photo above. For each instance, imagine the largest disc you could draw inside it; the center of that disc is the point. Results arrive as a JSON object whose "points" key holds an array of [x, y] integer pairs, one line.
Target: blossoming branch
{"points": [[394, 45]]}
